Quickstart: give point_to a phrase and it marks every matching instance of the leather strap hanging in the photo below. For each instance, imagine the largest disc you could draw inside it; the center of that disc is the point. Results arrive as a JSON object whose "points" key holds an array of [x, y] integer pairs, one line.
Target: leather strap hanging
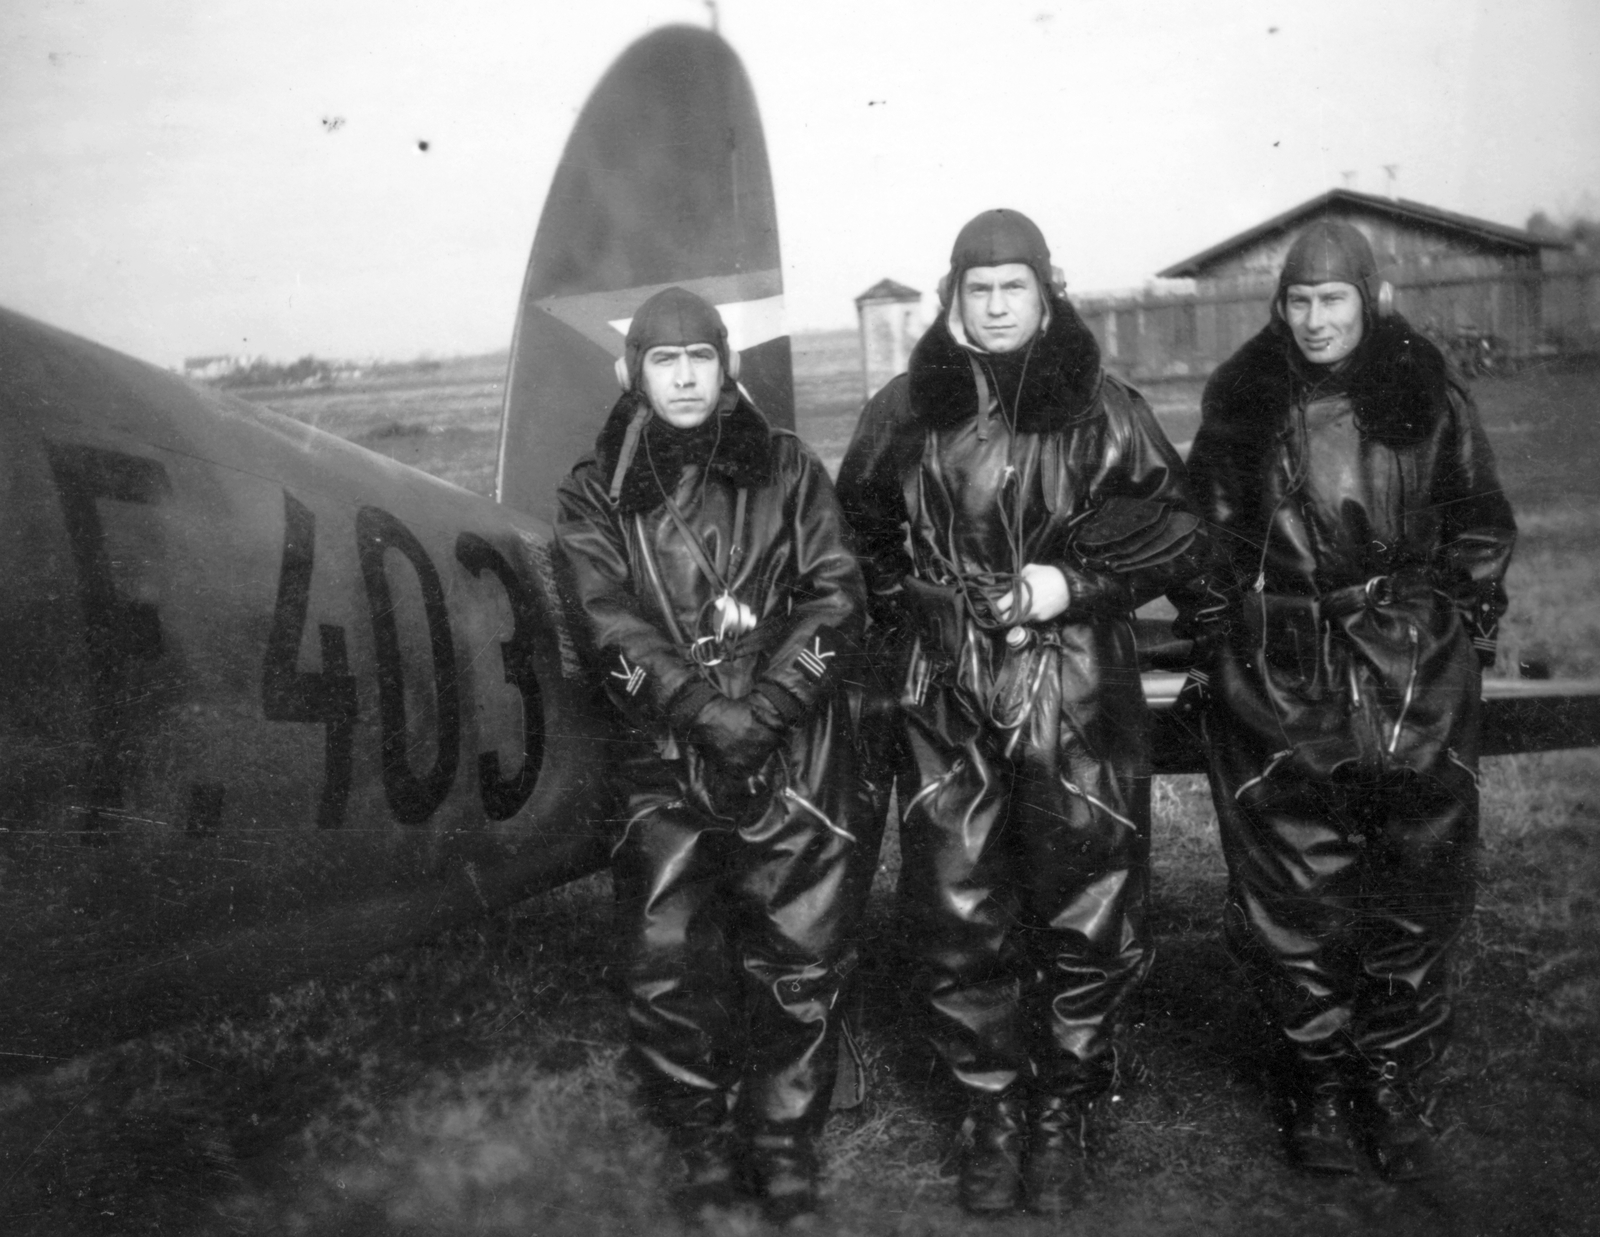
{"points": [[733, 618], [981, 381], [697, 547], [630, 448]]}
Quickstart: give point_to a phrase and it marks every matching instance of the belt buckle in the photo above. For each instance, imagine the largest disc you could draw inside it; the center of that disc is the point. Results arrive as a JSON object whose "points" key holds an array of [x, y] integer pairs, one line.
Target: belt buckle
{"points": [[706, 652]]}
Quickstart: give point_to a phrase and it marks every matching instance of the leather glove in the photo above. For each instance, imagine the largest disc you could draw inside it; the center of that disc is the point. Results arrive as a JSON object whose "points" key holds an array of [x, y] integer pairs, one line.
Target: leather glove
{"points": [[738, 734]]}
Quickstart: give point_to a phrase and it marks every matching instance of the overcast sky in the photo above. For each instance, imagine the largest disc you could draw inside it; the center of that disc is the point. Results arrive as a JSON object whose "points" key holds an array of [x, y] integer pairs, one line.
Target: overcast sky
{"points": [[173, 182]]}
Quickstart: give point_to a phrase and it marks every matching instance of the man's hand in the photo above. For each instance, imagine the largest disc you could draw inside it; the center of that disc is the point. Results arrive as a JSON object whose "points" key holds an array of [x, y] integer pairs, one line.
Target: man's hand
{"points": [[1045, 594]]}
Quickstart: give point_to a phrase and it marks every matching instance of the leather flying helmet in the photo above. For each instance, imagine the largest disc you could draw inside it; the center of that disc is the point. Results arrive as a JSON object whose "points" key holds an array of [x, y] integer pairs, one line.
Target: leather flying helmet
{"points": [[674, 317], [1333, 251], [994, 238]]}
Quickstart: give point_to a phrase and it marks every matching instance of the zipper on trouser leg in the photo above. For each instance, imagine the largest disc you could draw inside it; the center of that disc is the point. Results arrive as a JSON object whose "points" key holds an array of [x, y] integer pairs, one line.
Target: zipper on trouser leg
{"points": [[972, 805], [1026, 709], [931, 789], [1450, 755], [794, 796], [1073, 788], [1273, 762], [640, 815], [1411, 687]]}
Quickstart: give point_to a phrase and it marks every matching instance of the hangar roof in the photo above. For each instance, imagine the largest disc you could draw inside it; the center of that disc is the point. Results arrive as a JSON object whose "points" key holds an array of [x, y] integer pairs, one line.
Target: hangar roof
{"points": [[1398, 210]]}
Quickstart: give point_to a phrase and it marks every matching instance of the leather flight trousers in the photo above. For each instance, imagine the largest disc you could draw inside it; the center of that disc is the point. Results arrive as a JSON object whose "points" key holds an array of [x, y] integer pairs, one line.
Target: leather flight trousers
{"points": [[1023, 885], [1345, 895], [738, 933]]}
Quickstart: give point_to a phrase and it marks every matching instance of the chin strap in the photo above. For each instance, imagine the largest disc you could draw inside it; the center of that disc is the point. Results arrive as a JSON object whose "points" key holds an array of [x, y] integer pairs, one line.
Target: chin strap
{"points": [[630, 448], [981, 381], [697, 547]]}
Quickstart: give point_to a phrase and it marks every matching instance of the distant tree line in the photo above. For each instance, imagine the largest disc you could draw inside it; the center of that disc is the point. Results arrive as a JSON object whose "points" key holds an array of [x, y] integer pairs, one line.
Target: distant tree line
{"points": [[307, 371], [311, 371], [1582, 230]]}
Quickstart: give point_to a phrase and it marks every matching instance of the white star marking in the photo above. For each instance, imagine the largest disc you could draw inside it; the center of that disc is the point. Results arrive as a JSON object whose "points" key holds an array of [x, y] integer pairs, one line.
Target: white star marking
{"points": [[751, 304]]}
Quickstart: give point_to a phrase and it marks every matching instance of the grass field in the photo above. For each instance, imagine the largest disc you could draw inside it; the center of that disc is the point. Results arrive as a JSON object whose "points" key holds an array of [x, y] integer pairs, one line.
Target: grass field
{"points": [[471, 1085]]}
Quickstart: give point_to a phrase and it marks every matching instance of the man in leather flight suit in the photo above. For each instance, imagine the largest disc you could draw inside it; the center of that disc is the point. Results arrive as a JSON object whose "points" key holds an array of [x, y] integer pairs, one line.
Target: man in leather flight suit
{"points": [[1013, 504], [1363, 538], [710, 565]]}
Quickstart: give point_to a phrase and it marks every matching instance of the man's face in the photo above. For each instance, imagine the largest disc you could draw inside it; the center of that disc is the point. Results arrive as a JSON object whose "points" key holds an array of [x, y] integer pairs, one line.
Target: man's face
{"points": [[1001, 306], [1326, 320], [682, 382]]}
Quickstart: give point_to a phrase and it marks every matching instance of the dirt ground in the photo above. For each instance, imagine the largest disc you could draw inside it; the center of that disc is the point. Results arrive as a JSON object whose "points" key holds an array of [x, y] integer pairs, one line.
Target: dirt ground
{"points": [[472, 1084]]}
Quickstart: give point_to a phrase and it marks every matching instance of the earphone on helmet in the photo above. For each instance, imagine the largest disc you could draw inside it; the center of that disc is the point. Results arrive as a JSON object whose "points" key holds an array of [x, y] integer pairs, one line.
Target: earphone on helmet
{"points": [[1334, 250], [731, 374], [1058, 284], [1377, 295]]}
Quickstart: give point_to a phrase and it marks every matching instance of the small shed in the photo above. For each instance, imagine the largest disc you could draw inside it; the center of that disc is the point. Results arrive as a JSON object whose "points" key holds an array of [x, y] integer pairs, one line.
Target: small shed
{"points": [[890, 315]]}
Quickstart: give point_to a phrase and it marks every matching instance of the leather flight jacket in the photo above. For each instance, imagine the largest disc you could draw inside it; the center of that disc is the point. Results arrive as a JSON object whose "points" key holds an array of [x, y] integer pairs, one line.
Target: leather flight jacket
{"points": [[713, 564], [1021, 752], [1363, 540], [1360, 579]]}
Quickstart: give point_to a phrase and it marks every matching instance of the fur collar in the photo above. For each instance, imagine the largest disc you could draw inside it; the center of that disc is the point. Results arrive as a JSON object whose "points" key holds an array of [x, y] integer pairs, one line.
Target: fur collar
{"points": [[735, 443], [1397, 381], [1059, 385]]}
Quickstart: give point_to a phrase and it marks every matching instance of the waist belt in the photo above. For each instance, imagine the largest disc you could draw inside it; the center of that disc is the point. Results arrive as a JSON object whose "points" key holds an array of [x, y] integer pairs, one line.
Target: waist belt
{"points": [[1385, 590], [708, 651]]}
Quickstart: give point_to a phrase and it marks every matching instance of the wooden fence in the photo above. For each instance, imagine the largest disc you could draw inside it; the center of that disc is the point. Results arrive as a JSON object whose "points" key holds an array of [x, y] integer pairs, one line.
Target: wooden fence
{"points": [[1156, 333]]}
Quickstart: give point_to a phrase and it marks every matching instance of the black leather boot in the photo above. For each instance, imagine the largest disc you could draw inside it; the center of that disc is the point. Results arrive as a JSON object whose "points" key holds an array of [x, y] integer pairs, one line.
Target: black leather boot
{"points": [[1312, 1086], [990, 1182], [783, 1174], [1392, 1116], [1317, 1133], [711, 1179], [701, 1131], [1056, 1170]]}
